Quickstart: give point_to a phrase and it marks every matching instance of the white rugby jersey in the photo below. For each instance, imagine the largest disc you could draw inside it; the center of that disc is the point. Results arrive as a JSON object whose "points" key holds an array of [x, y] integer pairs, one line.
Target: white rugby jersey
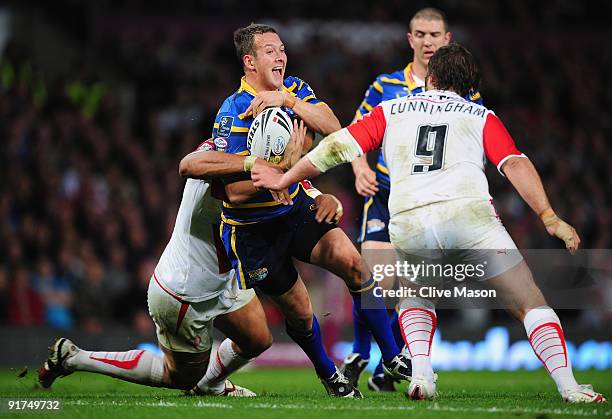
{"points": [[435, 145], [194, 266]]}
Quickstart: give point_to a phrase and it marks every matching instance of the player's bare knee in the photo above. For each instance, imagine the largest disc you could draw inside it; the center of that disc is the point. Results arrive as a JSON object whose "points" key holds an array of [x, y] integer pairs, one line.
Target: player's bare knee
{"points": [[255, 344], [167, 377], [183, 370], [302, 323], [265, 342], [173, 377], [261, 346], [258, 346], [519, 313], [301, 320], [354, 277], [187, 378], [300, 316]]}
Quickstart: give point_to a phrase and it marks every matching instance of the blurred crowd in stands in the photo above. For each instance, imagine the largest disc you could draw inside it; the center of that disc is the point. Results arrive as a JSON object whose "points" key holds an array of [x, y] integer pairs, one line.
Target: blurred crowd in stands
{"points": [[89, 189]]}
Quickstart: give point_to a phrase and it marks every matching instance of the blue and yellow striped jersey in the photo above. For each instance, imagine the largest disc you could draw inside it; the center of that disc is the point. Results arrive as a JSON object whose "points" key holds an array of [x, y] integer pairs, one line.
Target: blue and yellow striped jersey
{"points": [[392, 86], [230, 135]]}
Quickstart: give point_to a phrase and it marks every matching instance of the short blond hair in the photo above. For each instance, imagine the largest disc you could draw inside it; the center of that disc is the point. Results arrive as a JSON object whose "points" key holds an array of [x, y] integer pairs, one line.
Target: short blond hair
{"points": [[430, 13]]}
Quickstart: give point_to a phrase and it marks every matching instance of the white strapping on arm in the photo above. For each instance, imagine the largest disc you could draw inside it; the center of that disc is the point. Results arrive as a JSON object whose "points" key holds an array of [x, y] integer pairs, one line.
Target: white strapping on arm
{"points": [[335, 149]]}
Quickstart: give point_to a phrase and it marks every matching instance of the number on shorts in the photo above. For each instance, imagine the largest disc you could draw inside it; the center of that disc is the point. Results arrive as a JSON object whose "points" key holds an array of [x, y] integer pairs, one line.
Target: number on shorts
{"points": [[431, 140]]}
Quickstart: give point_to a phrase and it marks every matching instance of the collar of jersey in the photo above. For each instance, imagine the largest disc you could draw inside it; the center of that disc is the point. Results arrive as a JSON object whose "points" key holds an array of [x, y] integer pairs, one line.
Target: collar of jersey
{"points": [[410, 82], [442, 92], [246, 87]]}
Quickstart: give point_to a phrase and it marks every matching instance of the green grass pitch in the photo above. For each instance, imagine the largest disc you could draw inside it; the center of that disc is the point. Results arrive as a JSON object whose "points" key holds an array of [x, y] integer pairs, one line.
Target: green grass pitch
{"points": [[296, 393]]}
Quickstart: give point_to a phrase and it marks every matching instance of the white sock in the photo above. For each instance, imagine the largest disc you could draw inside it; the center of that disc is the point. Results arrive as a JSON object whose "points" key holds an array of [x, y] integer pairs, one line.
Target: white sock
{"points": [[224, 362], [137, 366], [417, 319], [546, 337]]}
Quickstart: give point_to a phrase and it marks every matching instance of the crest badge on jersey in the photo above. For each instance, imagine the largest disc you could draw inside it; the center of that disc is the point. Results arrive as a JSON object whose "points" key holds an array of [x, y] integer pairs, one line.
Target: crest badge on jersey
{"points": [[220, 144], [207, 145], [225, 126]]}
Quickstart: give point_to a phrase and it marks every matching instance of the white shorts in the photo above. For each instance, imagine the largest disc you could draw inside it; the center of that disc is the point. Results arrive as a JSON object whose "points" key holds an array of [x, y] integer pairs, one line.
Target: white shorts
{"points": [[187, 327], [469, 227]]}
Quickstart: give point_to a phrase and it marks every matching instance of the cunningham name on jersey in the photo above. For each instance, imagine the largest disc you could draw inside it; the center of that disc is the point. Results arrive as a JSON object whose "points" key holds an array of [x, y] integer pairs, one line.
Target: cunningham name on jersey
{"points": [[435, 144]]}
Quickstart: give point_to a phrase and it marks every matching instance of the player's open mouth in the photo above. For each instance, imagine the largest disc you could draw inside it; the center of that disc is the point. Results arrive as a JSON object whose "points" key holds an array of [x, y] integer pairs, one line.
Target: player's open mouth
{"points": [[278, 71]]}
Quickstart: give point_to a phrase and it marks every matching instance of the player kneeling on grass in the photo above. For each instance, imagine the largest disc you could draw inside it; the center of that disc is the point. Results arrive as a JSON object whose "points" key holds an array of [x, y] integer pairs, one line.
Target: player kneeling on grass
{"points": [[435, 144], [192, 285]]}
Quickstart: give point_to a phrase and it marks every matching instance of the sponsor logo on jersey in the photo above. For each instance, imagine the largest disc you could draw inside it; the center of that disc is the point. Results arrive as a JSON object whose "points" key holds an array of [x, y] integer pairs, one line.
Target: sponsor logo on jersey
{"points": [[258, 274], [278, 147], [207, 145], [374, 225], [225, 126], [220, 143]]}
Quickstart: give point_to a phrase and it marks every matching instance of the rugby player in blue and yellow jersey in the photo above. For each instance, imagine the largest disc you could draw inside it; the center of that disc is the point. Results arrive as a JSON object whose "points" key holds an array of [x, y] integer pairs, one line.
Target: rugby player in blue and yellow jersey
{"points": [[261, 235], [428, 31]]}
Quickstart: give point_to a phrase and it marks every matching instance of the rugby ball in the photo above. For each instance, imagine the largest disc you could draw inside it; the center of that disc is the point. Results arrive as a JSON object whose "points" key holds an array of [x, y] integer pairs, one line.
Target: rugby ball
{"points": [[269, 134]]}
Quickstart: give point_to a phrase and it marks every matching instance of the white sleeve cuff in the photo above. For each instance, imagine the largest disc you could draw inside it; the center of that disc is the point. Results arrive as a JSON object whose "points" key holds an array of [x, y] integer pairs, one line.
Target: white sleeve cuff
{"points": [[505, 159]]}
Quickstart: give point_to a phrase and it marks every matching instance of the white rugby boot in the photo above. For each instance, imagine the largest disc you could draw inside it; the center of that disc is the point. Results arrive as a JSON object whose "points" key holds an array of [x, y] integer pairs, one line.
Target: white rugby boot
{"points": [[583, 394], [230, 390], [420, 388]]}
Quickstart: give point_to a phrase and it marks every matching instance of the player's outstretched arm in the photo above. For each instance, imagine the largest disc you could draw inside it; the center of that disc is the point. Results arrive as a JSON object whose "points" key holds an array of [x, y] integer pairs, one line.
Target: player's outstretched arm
{"points": [[209, 164], [335, 149], [212, 164], [526, 180], [340, 147]]}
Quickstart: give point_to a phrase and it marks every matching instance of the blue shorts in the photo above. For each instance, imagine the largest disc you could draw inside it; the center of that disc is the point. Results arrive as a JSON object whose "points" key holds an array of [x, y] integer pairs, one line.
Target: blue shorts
{"points": [[375, 221], [261, 253]]}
